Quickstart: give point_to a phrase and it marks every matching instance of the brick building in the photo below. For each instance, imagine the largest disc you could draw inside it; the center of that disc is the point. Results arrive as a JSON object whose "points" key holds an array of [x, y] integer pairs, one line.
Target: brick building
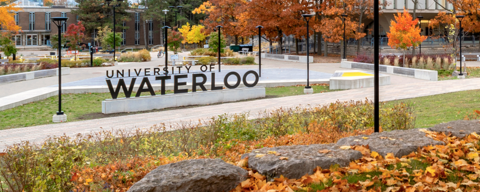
{"points": [[37, 27]]}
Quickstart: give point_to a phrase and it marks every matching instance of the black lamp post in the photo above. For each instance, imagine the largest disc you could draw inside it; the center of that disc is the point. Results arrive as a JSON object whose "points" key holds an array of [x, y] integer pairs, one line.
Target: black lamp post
{"points": [[177, 11], [259, 50], [59, 22], [308, 89], [114, 23], [420, 25], [166, 48], [219, 47], [376, 79], [344, 16], [460, 17]]}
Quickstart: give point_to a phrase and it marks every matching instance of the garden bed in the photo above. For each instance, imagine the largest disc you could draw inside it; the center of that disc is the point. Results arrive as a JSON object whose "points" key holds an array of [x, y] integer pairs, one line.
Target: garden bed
{"points": [[25, 76]]}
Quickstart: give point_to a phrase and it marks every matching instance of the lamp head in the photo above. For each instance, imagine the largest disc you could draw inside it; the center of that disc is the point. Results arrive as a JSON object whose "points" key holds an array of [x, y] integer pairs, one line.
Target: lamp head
{"points": [[165, 11], [259, 27], [307, 17], [219, 26], [420, 17], [344, 15], [171, 7], [58, 21], [460, 17], [166, 27]]}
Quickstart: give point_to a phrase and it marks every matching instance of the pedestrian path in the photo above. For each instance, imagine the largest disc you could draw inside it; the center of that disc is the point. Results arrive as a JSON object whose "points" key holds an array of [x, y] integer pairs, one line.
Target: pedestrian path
{"points": [[170, 117]]}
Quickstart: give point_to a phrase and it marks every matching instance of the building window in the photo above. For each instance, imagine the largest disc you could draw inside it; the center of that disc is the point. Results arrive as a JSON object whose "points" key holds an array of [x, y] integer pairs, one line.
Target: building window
{"points": [[137, 28], [150, 32], [47, 21], [31, 25], [18, 40], [16, 18], [64, 27], [124, 33]]}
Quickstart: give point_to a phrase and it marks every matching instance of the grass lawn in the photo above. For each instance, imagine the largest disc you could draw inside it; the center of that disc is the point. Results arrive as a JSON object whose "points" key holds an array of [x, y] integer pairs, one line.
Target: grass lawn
{"points": [[473, 72], [432, 110], [80, 107]]}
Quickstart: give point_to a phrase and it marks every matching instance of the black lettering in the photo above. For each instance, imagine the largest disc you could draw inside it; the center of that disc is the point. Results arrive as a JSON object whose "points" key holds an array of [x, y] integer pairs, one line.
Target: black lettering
{"points": [[212, 66], [128, 72], [173, 70], [110, 76], [188, 68], [163, 79], [149, 87], [156, 71], [201, 68], [245, 78], [201, 84], [121, 84], [176, 84], [179, 67], [225, 80], [146, 71], [138, 73], [165, 69], [213, 84], [121, 73]]}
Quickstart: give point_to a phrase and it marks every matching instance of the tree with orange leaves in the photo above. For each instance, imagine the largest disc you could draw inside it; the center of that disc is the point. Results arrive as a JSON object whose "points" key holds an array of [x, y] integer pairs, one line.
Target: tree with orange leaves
{"points": [[7, 20], [404, 33], [227, 13]]}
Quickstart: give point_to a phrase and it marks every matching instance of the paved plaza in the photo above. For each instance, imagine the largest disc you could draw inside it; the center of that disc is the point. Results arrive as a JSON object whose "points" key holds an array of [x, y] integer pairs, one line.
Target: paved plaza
{"points": [[401, 88]]}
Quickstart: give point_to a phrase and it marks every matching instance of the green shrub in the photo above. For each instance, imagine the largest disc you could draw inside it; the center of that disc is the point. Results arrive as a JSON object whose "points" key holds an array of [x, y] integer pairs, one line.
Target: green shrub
{"points": [[47, 60], [98, 61], [232, 61], [198, 52], [206, 60], [248, 60], [73, 64]]}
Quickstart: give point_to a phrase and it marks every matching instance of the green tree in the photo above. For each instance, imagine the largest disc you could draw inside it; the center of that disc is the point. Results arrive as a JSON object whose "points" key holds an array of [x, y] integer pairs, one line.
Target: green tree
{"points": [[8, 46], [95, 13], [55, 41], [108, 39], [213, 42]]}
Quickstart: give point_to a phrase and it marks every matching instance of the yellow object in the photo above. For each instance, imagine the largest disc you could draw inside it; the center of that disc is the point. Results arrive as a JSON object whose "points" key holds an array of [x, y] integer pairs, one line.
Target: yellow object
{"points": [[115, 58], [355, 74]]}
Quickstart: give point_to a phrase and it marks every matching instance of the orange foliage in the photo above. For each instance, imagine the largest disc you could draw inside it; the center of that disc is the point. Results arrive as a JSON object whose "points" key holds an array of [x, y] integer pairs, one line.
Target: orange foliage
{"points": [[404, 32], [7, 20], [122, 175], [450, 167]]}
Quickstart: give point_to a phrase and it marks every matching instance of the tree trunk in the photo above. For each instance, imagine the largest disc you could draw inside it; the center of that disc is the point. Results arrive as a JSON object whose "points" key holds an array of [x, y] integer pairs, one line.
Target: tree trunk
{"points": [[415, 2], [319, 43], [236, 39], [359, 28], [314, 42], [161, 36], [280, 42], [325, 49], [296, 46]]}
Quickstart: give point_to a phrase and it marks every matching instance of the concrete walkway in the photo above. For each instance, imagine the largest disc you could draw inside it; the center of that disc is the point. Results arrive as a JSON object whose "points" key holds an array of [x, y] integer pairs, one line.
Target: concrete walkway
{"points": [[171, 117]]}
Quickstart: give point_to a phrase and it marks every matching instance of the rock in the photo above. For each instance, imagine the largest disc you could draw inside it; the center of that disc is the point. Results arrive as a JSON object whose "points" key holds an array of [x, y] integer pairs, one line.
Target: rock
{"points": [[459, 128], [198, 175], [295, 161], [398, 142]]}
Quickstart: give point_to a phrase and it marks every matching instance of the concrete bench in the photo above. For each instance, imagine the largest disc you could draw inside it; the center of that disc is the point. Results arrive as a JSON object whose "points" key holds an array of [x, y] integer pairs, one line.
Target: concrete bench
{"points": [[470, 58]]}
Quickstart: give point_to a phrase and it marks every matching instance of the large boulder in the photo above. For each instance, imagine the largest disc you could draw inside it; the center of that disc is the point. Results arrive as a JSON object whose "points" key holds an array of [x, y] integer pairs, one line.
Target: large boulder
{"points": [[296, 161], [198, 175], [398, 142], [459, 128]]}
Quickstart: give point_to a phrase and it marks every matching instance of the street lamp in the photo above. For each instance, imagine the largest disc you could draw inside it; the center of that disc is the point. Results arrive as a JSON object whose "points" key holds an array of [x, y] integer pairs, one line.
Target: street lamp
{"points": [[344, 16], [259, 50], [60, 116], [166, 48], [420, 25], [308, 89], [376, 71], [114, 37], [460, 17], [219, 44], [177, 11]]}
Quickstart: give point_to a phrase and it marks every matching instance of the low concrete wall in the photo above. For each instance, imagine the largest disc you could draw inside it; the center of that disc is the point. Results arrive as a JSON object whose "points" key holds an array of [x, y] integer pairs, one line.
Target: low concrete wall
{"points": [[295, 58], [356, 82], [32, 75], [424, 74], [178, 100]]}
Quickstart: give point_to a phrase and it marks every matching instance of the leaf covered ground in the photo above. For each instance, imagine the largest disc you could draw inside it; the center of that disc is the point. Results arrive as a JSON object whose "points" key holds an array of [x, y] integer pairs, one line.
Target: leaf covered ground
{"points": [[451, 167]]}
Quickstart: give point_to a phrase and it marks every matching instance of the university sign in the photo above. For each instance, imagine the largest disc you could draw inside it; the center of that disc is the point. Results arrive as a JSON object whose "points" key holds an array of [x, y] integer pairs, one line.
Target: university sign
{"points": [[180, 96]]}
